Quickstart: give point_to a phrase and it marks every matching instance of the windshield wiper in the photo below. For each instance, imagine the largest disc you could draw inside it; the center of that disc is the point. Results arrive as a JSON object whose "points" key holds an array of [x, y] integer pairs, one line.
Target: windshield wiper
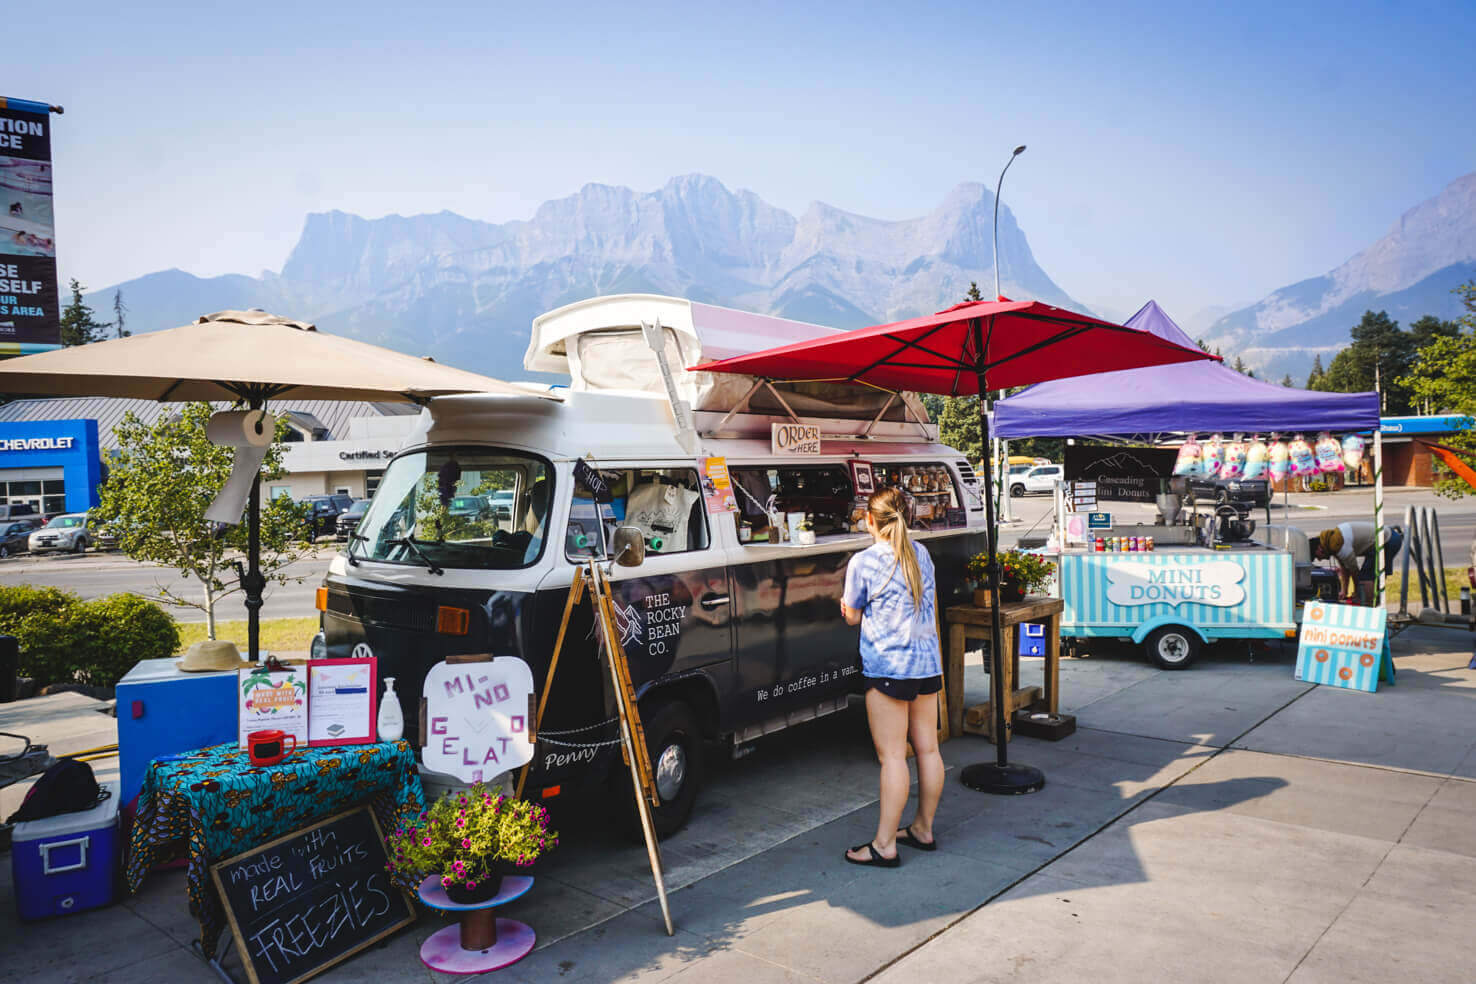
{"points": [[353, 539], [409, 541]]}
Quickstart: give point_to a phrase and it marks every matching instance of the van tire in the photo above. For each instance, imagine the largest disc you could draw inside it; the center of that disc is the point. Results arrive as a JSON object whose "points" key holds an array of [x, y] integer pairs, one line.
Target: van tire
{"points": [[1172, 647], [674, 742]]}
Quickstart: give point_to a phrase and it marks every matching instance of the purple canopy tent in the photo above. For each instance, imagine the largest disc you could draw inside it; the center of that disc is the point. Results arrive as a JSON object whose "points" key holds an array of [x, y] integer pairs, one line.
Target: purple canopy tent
{"points": [[1189, 397], [1185, 397]]}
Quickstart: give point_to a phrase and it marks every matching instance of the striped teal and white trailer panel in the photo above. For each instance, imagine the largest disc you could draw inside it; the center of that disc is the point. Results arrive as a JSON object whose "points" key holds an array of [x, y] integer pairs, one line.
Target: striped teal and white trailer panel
{"points": [[1267, 581]]}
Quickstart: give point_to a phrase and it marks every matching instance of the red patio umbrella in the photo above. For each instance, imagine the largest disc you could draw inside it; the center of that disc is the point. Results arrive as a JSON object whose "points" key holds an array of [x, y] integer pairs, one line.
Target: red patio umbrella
{"points": [[969, 349]]}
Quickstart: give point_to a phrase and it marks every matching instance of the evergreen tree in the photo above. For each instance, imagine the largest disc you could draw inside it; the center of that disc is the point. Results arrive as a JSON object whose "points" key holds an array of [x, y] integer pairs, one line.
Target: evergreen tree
{"points": [[1239, 365], [1287, 381], [78, 325], [973, 292], [1314, 378], [1379, 358], [119, 309]]}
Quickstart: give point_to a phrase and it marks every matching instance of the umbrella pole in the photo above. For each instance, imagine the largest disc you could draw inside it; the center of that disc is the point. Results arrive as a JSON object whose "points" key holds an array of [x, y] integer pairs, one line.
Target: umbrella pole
{"points": [[253, 582], [998, 777]]}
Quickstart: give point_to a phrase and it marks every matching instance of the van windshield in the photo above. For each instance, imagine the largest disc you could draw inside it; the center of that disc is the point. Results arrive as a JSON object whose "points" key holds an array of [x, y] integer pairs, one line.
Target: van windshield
{"points": [[420, 515]]}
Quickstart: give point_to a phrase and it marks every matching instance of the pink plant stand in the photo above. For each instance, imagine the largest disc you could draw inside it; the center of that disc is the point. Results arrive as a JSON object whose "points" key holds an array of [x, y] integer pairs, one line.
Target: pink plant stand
{"points": [[480, 942]]}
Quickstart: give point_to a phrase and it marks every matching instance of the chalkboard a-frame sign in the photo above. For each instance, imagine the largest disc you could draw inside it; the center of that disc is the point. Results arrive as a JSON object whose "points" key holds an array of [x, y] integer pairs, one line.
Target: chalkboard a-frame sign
{"points": [[303, 902]]}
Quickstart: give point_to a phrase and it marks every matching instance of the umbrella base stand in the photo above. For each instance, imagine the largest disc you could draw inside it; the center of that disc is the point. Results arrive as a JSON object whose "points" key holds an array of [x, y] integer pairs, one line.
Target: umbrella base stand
{"points": [[1002, 780]]}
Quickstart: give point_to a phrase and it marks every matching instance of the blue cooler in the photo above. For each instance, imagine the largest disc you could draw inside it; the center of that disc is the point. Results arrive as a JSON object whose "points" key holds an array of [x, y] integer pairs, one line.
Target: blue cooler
{"points": [[67, 863], [164, 711], [1032, 639]]}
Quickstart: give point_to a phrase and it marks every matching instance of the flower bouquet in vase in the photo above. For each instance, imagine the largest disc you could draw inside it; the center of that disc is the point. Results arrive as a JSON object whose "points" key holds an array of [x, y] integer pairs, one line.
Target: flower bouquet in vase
{"points": [[1020, 574], [471, 839]]}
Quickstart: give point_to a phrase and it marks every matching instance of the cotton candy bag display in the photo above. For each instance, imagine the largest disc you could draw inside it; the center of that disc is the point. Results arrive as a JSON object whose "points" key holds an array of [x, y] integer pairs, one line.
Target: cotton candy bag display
{"points": [[1211, 457], [1353, 452], [1255, 459], [1188, 460], [1235, 455], [1329, 453], [1278, 459], [1303, 460]]}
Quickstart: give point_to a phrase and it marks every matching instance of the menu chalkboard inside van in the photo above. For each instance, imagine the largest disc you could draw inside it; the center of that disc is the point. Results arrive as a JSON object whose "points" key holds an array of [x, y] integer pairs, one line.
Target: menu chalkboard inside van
{"points": [[304, 902]]}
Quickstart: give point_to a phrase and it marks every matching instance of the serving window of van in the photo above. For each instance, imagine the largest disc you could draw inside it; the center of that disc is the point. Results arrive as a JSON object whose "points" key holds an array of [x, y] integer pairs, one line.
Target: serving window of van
{"points": [[458, 507], [831, 502], [665, 504]]}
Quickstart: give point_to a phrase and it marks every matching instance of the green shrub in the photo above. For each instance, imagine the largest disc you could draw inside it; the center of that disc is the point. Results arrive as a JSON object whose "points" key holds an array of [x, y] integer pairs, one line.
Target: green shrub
{"points": [[64, 639]]}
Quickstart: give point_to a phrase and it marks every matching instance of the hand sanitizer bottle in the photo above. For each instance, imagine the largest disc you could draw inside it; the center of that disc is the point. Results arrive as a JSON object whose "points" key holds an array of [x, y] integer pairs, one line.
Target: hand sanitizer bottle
{"points": [[391, 723]]}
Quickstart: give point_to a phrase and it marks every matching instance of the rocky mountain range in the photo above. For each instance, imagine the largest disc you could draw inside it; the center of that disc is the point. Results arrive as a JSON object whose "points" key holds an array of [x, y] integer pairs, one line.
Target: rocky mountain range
{"points": [[1408, 273], [466, 291]]}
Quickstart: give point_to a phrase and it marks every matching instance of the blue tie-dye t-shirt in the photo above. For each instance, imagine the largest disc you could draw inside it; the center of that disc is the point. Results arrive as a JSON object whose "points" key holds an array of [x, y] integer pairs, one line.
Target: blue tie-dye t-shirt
{"points": [[898, 639]]}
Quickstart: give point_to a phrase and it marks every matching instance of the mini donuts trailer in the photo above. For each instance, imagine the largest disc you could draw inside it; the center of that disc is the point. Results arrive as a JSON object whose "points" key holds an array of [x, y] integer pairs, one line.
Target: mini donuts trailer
{"points": [[1176, 599]]}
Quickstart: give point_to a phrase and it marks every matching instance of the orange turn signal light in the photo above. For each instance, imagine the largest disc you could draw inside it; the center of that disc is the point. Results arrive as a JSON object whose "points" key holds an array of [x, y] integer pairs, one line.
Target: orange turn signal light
{"points": [[551, 792], [452, 621], [320, 599]]}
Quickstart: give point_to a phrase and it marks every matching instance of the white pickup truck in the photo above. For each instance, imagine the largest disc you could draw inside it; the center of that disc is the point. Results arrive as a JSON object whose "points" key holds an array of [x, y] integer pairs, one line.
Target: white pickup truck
{"points": [[1041, 478]]}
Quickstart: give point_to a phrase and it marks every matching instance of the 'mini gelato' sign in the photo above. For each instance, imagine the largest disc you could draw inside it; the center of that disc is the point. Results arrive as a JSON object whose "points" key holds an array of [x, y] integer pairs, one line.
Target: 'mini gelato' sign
{"points": [[1216, 582]]}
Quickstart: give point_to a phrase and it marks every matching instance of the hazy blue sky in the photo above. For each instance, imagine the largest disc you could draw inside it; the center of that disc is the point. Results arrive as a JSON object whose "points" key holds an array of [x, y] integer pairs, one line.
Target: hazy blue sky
{"points": [[1196, 153]]}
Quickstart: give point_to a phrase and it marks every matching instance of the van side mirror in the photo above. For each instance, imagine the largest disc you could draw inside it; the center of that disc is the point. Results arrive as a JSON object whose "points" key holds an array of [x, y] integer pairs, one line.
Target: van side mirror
{"points": [[629, 546]]}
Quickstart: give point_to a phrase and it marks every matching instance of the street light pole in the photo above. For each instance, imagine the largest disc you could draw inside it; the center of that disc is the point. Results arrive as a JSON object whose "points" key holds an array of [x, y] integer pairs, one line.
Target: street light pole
{"points": [[1006, 515]]}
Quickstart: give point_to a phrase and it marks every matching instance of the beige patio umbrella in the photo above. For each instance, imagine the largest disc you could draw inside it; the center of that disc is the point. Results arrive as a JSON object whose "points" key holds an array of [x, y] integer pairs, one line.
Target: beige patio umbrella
{"points": [[250, 356]]}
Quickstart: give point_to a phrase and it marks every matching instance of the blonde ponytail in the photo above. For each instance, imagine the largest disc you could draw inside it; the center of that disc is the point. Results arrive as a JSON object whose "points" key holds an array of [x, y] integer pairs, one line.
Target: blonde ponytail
{"points": [[888, 510]]}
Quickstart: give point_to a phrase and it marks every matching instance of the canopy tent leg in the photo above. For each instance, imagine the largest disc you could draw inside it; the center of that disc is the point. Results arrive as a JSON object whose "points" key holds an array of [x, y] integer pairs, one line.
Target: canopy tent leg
{"points": [[1379, 580], [998, 777]]}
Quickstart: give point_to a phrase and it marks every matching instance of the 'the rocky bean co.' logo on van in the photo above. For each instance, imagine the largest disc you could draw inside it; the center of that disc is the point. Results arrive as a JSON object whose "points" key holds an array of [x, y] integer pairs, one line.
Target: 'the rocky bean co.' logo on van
{"points": [[37, 443], [1214, 583]]}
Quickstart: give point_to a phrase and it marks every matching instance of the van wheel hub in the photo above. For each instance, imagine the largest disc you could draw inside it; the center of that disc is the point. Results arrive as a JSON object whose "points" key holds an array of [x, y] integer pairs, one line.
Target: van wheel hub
{"points": [[671, 772]]}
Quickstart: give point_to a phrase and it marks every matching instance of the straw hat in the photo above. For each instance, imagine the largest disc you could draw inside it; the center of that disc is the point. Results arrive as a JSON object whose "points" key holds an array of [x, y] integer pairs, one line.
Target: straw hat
{"points": [[210, 655]]}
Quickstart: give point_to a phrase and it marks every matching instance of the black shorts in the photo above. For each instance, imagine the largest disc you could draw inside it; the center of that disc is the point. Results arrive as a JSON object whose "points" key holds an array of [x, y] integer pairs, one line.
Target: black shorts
{"points": [[905, 689]]}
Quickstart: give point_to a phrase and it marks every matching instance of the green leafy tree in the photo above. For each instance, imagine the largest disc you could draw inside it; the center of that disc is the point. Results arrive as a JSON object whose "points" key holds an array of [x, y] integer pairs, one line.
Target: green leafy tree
{"points": [[1442, 379], [79, 326], [162, 479], [1379, 358], [958, 425]]}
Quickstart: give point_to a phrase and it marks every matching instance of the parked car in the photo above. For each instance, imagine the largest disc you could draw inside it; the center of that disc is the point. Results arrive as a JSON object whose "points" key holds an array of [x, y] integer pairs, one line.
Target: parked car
{"points": [[69, 531], [106, 538], [322, 517], [14, 536], [1040, 478], [342, 500], [501, 502], [470, 507], [17, 510], [348, 520], [1255, 492]]}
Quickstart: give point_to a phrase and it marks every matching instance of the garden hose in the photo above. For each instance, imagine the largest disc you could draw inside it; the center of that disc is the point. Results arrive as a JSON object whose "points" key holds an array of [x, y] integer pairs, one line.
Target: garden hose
{"points": [[94, 757]]}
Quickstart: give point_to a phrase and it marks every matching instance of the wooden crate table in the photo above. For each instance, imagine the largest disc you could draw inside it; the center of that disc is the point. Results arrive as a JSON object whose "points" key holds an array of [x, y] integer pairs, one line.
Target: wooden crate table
{"points": [[972, 620]]}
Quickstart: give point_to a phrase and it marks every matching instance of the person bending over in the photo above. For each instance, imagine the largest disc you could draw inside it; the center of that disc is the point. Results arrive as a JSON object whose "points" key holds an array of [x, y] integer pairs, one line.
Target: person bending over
{"points": [[1351, 545]]}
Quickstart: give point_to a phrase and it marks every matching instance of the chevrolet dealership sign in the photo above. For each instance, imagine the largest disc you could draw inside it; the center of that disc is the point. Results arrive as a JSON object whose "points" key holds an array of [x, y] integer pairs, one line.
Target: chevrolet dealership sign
{"points": [[37, 443]]}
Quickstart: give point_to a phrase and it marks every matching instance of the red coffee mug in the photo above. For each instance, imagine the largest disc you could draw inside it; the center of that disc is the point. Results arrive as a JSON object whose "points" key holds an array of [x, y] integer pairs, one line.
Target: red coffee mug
{"points": [[269, 747]]}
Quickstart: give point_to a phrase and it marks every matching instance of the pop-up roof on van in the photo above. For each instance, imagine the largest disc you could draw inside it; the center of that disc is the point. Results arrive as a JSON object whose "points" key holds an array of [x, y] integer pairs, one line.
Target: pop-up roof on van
{"points": [[599, 342]]}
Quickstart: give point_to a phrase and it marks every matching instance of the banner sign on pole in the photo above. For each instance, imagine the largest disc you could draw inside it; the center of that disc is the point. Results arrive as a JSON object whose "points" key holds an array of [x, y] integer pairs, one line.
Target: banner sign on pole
{"points": [[30, 311], [1345, 646]]}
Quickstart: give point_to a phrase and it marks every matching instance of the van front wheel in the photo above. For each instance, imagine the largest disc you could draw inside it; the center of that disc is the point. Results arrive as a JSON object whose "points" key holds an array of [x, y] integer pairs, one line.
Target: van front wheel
{"points": [[674, 741]]}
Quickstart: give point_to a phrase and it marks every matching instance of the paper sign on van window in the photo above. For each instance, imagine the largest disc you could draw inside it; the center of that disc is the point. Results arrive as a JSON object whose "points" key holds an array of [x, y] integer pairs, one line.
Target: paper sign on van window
{"points": [[792, 439], [1215, 582], [717, 487], [476, 718]]}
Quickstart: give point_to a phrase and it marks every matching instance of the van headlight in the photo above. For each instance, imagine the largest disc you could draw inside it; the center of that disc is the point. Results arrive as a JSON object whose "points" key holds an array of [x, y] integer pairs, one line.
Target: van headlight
{"points": [[319, 648]]}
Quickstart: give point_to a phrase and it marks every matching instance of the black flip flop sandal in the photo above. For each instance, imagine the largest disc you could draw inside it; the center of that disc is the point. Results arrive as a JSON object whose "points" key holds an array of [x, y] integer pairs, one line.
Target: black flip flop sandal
{"points": [[904, 836], [875, 860]]}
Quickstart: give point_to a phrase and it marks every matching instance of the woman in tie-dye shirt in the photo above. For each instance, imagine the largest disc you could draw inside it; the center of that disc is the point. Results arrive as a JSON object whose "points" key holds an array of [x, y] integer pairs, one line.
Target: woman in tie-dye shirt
{"points": [[891, 593]]}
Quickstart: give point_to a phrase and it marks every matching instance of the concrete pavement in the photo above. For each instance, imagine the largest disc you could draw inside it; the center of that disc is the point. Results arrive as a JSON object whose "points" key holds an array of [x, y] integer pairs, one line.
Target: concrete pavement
{"points": [[1220, 824]]}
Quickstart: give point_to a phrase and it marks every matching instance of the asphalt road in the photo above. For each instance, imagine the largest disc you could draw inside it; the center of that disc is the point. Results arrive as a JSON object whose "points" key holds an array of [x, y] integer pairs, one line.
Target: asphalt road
{"points": [[94, 575]]}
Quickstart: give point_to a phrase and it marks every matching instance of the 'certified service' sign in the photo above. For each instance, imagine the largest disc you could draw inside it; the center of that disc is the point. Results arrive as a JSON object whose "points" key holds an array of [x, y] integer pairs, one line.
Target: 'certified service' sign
{"points": [[1215, 582], [795, 438]]}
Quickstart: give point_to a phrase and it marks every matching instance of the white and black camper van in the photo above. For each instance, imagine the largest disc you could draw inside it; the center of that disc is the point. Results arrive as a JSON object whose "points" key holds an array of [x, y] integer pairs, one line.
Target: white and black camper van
{"points": [[731, 625]]}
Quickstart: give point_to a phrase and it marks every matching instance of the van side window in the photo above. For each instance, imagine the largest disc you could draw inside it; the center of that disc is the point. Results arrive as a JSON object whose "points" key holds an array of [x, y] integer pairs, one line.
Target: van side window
{"points": [[664, 503], [932, 494], [822, 492]]}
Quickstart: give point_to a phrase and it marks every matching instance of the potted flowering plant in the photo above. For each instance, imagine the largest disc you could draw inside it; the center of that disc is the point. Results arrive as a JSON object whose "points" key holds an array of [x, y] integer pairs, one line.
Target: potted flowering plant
{"points": [[1020, 574], [471, 839]]}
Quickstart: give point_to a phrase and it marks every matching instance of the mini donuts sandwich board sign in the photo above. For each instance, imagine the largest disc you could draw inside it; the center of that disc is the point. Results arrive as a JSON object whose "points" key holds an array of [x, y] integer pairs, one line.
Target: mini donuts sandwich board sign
{"points": [[1345, 646]]}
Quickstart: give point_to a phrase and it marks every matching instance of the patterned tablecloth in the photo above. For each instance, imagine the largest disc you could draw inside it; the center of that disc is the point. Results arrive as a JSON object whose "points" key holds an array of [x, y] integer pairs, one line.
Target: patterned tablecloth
{"points": [[214, 804]]}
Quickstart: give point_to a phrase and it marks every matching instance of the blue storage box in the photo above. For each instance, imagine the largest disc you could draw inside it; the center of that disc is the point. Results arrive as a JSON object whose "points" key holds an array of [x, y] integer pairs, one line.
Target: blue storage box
{"points": [[1032, 639], [164, 711], [67, 863]]}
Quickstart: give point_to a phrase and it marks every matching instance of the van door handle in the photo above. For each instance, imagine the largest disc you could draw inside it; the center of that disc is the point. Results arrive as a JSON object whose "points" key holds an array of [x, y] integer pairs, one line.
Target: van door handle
{"points": [[709, 602]]}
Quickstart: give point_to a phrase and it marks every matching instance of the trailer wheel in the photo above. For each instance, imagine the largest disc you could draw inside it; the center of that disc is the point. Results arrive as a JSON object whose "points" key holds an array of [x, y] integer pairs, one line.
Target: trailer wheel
{"points": [[674, 741], [1172, 647]]}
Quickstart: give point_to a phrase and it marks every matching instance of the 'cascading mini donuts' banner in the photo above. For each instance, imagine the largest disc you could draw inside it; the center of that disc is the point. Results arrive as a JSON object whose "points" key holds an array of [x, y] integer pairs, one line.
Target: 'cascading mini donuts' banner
{"points": [[30, 311]]}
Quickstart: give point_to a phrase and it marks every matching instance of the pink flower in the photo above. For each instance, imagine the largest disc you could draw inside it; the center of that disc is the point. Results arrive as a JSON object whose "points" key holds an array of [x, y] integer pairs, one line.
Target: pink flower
{"points": [[445, 881], [471, 884], [426, 842], [466, 842]]}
